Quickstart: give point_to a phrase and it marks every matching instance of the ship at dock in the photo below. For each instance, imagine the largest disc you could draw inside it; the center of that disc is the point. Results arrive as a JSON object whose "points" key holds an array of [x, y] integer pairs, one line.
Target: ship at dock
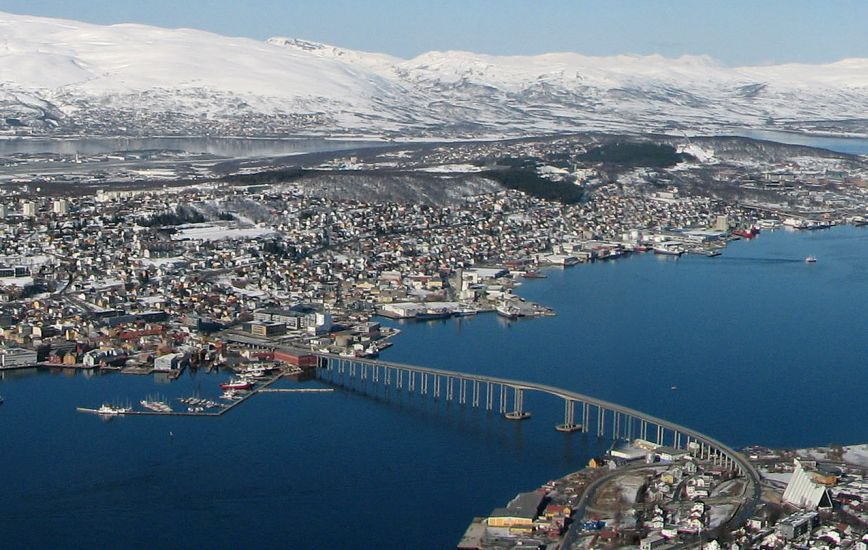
{"points": [[668, 249], [237, 384], [107, 410], [746, 233]]}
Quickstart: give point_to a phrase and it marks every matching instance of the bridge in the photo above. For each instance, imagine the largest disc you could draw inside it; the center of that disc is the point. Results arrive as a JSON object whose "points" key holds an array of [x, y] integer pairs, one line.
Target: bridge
{"points": [[582, 413]]}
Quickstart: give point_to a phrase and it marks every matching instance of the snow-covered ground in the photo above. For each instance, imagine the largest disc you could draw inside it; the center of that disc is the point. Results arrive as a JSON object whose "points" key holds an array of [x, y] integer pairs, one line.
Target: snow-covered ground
{"points": [[780, 477], [856, 454], [451, 169], [853, 454], [159, 262], [66, 68], [214, 232], [16, 281]]}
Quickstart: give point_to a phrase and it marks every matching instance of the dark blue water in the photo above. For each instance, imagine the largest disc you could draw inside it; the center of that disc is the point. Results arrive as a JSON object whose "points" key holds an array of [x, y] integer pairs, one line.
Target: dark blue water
{"points": [[763, 348]]}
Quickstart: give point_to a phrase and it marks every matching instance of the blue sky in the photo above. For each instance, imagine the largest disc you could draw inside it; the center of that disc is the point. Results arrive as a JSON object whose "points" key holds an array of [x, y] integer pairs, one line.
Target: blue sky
{"points": [[735, 32]]}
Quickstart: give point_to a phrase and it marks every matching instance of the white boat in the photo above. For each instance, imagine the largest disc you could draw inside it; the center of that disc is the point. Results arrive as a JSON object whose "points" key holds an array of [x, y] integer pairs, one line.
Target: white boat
{"points": [[254, 372], [505, 310], [811, 260], [156, 406], [112, 410], [668, 250], [466, 310], [230, 395]]}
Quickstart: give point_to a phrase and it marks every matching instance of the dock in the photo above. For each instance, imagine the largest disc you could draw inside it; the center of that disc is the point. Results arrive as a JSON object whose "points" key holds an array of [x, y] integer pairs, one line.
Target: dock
{"points": [[264, 387], [297, 390]]}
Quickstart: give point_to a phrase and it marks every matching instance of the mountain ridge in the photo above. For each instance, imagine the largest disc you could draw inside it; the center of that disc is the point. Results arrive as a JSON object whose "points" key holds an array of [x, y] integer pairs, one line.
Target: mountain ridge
{"points": [[61, 76]]}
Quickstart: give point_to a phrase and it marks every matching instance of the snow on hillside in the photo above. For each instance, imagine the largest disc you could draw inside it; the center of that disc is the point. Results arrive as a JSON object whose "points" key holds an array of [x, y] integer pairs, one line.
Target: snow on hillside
{"points": [[90, 78]]}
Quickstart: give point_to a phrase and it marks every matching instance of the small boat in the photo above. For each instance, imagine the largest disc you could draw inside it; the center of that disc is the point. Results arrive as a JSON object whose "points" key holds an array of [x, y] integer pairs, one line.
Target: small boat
{"points": [[236, 384], [230, 395], [257, 371], [111, 410], [504, 310], [673, 388], [666, 250], [465, 310], [1, 399], [811, 260], [155, 405]]}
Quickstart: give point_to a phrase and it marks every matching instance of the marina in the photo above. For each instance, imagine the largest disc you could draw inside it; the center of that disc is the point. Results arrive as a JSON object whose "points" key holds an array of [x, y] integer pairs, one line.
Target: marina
{"points": [[195, 408]]}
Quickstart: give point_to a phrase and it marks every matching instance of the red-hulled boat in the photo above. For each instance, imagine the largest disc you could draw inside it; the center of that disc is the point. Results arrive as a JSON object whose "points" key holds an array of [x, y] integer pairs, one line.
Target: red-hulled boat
{"points": [[749, 233], [236, 384]]}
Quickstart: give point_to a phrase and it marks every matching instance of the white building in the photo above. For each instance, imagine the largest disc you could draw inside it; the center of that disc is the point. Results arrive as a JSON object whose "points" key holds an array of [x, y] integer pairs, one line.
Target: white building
{"points": [[60, 207], [168, 362], [28, 209], [95, 357], [11, 358], [3, 211], [803, 491]]}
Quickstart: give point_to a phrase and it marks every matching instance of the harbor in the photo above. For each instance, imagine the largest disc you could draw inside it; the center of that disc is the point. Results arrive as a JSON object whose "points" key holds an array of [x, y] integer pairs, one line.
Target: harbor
{"points": [[199, 407]]}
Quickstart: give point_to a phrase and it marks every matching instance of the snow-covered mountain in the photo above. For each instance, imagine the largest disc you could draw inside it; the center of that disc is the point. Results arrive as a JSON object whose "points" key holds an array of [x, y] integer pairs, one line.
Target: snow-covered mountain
{"points": [[65, 76]]}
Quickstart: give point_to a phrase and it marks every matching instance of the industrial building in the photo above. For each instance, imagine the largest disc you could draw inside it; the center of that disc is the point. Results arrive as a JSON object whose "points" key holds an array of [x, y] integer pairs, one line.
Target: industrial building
{"points": [[168, 362], [12, 358]]}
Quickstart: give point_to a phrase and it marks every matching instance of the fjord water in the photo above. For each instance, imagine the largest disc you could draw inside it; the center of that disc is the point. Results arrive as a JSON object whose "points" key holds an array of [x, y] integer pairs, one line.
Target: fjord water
{"points": [[763, 349], [839, 144], [240, 147]]}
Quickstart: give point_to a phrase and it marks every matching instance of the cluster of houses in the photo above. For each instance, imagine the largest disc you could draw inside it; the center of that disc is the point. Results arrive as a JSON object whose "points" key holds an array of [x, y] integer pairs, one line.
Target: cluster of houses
{"points": [[86, 259]]}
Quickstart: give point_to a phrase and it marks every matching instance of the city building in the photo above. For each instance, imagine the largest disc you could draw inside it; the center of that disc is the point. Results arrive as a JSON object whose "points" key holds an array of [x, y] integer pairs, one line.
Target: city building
{"points": [[168, 362], [28, 209], [60, 207], [11, 358], [806, 489], [263, 328], [798, 524]]}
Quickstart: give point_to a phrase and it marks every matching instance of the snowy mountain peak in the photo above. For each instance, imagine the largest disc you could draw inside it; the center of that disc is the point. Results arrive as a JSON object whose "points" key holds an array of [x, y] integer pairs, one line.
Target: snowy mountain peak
{"points": [[67, 76], [299, 44]]}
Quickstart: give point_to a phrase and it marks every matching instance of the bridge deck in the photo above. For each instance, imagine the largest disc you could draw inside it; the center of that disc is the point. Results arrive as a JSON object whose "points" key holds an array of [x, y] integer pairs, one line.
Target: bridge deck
{"points": [[745, 465]]}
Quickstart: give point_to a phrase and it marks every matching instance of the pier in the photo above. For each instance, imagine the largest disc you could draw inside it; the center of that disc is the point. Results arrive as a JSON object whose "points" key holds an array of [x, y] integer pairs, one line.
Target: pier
{"points": [[264, 387], [296, 390]]}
